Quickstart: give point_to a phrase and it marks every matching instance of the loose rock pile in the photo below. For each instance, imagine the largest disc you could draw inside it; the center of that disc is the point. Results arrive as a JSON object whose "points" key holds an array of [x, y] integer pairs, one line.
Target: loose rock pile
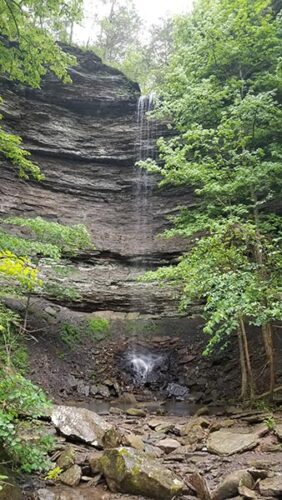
{"points": [[210, 458]]}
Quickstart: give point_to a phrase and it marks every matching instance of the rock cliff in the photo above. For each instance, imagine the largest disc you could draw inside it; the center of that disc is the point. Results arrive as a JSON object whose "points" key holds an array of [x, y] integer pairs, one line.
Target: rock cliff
{"points": [[84, 137]]}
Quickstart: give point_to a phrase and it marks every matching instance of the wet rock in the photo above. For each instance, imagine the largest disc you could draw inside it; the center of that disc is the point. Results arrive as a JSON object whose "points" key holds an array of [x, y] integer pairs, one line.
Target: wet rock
{"points": [[177, 391], [200, 485], [133, 441], [136, 412], [131, 471], [271, 487], [66, 458], [227, 443], [72, 476], [80, 423], [168, 445], [229, 487]]}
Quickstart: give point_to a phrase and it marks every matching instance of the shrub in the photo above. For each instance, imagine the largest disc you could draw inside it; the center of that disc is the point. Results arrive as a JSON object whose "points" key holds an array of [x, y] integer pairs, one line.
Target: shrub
{"points": [[70, 335], [98, 327], [18, 397]]}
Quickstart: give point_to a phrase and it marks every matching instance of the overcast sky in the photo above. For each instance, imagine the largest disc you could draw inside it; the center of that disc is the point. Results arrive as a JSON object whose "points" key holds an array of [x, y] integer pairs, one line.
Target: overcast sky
{"points": [[149, 10]]}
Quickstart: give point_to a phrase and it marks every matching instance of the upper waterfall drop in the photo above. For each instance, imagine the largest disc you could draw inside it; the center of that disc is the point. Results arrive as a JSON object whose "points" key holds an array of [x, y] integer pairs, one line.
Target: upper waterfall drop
{"points": [[146, 127]]}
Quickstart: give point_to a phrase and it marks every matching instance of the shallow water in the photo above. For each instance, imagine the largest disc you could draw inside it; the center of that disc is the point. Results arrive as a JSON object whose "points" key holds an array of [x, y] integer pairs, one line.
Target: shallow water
{"points": [[169, 407]]}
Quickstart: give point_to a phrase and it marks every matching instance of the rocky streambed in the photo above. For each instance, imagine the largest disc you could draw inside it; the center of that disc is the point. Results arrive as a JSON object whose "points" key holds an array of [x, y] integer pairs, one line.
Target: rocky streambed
{"points": [[134, 453]]}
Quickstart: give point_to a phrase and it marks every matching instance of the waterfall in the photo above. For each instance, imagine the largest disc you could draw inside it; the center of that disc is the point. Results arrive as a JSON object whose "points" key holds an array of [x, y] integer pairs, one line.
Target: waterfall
{"points": [[146, 127], [145, 148], [143, 365]]}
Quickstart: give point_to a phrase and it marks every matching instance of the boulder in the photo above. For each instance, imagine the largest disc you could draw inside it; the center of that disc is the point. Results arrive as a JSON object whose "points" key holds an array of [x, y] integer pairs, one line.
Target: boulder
{"points": [[271, 486], [66, 458], [168, 445], [72, 476], [131, 471], [224, 442], [80, 423], [229, 487]]}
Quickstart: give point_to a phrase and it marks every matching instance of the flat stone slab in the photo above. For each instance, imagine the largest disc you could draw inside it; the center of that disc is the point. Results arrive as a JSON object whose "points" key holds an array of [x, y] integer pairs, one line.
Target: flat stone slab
{"points": [[168, 445], [224, 442]]}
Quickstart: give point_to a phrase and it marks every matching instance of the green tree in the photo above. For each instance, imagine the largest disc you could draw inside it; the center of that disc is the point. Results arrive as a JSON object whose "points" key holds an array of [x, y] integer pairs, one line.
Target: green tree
{"points": [[117, 31], [223, 96]]}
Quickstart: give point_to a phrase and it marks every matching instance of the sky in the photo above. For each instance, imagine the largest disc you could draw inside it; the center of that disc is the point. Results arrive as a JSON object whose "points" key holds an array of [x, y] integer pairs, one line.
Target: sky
{"points": [[149, 10]]}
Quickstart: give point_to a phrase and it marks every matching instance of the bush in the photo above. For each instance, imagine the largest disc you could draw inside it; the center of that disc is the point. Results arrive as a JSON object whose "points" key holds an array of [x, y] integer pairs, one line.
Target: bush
{"points": [[98, 327], [19, 397], [70, 335]]}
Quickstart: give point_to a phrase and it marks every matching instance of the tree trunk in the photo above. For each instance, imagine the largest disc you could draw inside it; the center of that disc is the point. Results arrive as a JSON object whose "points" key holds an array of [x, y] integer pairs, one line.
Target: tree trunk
{"points": [[249, 373], [268, 345], [267, 328], [244, 376]]}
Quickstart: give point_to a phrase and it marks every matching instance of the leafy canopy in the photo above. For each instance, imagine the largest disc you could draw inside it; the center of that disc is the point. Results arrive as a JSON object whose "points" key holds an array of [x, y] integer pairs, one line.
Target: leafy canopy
{"points": [[27, 51], [222, 96]]}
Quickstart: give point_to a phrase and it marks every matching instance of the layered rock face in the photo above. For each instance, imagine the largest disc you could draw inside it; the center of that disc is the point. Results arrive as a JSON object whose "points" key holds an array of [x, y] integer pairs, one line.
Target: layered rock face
{"points": [[84, 137]]}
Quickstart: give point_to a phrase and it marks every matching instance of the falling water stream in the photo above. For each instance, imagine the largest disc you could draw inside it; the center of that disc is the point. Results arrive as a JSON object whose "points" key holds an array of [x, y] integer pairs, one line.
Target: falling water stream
{"points": [[143, 363]]}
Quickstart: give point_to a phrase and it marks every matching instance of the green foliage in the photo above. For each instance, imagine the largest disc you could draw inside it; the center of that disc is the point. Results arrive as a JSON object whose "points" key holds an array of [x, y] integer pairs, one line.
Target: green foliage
{"points": [[70, 335], [12, 351], [141, 328], [61, 292], [25, 26], [18, 396], [42, 239], [270, 422], [98, 327], [66, 239], [117, 30], [222, 96], [53, 474]]}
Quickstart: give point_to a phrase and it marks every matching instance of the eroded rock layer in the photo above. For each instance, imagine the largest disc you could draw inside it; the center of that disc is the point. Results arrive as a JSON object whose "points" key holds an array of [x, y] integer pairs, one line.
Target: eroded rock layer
{"points": [[84, 137]]}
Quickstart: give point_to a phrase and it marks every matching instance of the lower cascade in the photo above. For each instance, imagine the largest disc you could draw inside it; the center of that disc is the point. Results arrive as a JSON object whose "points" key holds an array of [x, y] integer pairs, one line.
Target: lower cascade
{"points": [[144, 367]]}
